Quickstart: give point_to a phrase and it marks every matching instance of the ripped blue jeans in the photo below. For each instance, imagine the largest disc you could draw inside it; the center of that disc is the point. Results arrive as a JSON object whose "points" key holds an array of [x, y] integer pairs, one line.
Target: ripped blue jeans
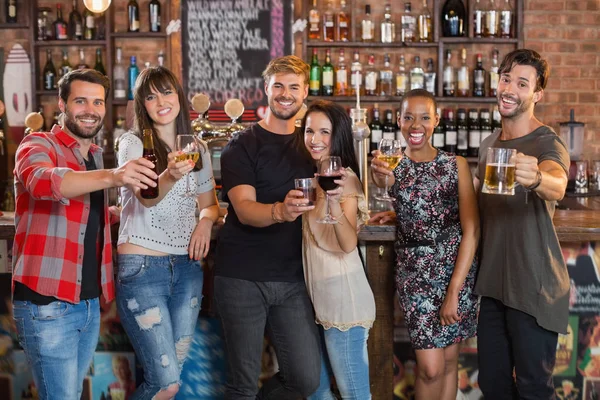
{"points": [[158, 298]]}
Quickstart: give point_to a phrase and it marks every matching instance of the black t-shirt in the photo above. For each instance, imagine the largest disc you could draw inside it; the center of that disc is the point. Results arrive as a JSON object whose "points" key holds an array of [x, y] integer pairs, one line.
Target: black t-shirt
{"points": [[269, 162], [90, 285]]}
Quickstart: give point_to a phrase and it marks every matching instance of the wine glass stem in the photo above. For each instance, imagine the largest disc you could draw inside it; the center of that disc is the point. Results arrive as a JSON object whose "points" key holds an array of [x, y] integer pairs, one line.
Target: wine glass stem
{"points": [[187, 183], [386, 186], [327, 215]]}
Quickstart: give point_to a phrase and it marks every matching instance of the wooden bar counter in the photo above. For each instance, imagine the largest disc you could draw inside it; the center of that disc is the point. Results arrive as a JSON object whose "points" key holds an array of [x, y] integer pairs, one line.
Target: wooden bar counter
{"points": [[571, 226]]}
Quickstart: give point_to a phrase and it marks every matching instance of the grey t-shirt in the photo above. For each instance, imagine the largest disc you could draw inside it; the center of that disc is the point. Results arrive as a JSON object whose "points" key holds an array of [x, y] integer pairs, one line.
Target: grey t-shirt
{"points": [[521, 260]]}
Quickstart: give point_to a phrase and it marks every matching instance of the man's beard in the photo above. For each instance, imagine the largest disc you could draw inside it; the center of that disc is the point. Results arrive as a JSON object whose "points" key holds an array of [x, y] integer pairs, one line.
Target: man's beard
{"points": [[287, 116], [71, 124], [521, 107]]}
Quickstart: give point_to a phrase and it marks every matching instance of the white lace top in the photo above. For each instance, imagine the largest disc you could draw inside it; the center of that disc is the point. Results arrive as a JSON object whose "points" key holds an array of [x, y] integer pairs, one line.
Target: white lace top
{"points": [[336, 281], [167, 226]]}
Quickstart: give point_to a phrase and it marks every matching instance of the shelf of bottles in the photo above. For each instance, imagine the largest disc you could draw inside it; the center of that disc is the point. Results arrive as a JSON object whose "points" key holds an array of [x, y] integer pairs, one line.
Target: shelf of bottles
{"points": [[14, 15], [341, 29]]}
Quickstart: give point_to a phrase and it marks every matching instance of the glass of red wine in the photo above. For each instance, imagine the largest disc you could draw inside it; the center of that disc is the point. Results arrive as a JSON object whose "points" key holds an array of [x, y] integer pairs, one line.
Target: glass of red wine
{"points": [[329, 171]]}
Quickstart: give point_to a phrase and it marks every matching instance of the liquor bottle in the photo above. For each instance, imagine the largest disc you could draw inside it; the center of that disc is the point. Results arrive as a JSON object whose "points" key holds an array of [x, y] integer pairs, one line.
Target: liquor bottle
{"points": [[454, 22], [376, 128], [329, 23], [161, 58], [75, 23], [479, 78], [494, 77], [89, 32], [148, 154], [506, 19], [327, 77], [439, 134], [154, 15], [99, 66], [389, 127], [451, 137], [49, 73], [430, 77], [462, 147], [100, 22], [133, 73], [449, 79], [367, 26], [65, 67], [371, 77], [133, 16], [496, 119], [474, 133], [341, 76], [386, 78], [417, 76], [463, 76], [119, 77], [424, 24], [388, 28], [356, 77], [478, 19], [492, 20], [314, 22], [409, 24], [11, 11], [485, 123], [342, 23], [314, 88], [60, 26], [82, 64], [402, 80]]}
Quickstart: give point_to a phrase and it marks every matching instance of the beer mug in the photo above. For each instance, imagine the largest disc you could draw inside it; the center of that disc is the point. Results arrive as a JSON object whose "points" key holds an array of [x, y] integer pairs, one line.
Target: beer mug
{"points": [[500, 171]]}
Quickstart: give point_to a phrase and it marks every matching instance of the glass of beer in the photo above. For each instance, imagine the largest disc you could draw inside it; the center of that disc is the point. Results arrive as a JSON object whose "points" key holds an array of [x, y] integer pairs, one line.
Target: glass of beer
{"points": [[308, 188], [190, 148], [391, 152], [500, 171]]}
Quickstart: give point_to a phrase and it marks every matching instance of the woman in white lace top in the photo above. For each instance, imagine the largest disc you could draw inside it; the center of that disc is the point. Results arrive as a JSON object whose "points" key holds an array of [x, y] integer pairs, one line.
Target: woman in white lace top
{"points": [[333, 270]]}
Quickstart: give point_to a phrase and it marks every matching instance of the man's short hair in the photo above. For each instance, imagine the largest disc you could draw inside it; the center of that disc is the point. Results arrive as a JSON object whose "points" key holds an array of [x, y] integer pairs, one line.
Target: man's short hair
{"points": [[85, 75], [287, 65], [527, 57]]}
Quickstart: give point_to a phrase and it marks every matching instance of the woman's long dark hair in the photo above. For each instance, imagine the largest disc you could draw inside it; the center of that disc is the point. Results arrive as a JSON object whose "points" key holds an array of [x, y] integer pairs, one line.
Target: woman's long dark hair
{"points": [[160, 79], [342, 142]]}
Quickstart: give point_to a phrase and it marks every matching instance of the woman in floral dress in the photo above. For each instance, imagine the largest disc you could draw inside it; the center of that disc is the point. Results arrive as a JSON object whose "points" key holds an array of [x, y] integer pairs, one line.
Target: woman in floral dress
{"points": [[437, 236]]}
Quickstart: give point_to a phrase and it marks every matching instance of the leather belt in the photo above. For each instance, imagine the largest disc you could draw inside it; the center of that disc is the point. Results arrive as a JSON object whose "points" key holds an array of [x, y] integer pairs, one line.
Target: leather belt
{"points": [[429, 242]]}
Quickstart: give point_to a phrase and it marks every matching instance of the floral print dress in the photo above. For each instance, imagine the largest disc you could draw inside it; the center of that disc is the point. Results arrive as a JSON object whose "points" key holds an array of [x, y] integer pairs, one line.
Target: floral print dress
{"points": [[427, 206]]}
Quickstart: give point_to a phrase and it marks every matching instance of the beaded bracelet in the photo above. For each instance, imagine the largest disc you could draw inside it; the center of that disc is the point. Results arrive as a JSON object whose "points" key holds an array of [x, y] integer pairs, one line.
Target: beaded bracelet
{"points": [[538, 181], [279, 221]]}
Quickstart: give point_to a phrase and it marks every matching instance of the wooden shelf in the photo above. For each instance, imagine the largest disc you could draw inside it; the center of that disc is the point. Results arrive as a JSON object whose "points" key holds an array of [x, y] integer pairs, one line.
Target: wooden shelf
{"points": [[368, 44], [139, 35], [390, 99], [46, 92], [58, 43], [468, 40], [16, 25]]}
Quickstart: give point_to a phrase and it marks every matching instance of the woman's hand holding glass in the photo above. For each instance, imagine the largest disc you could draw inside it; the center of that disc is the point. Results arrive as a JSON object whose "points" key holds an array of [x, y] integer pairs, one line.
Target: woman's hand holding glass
{"points": [[189, 150], [389, 154], [177, 169]]}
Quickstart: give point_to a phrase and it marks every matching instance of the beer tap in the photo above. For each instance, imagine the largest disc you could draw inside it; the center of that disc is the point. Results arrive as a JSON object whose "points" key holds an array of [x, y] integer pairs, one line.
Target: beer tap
{"points": [[34, 122], [234, 108], [201, 125]]}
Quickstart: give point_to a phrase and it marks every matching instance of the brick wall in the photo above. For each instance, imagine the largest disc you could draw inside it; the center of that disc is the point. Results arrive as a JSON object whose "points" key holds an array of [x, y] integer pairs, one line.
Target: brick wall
{"points": [[567, 33]]}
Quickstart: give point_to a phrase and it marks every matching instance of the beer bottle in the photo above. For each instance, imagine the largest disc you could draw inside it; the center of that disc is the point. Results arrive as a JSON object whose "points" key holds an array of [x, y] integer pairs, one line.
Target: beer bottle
{"points": [[148, 154]]}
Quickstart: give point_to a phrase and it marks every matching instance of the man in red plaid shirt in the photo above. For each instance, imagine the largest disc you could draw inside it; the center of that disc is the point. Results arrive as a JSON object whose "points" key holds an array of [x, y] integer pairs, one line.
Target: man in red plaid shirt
{"points": [[62, 259]]}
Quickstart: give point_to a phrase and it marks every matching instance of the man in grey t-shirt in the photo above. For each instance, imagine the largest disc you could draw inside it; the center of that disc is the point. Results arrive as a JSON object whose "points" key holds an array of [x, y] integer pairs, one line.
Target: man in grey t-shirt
{"points": [[523, 278]]}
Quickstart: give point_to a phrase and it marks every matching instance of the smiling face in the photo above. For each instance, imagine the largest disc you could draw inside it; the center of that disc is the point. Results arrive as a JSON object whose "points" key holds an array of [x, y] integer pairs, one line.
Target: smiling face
{"points": [[84, 110], [286, 93], [162, 107], [317, 135], [516, 91], [417, 121]]}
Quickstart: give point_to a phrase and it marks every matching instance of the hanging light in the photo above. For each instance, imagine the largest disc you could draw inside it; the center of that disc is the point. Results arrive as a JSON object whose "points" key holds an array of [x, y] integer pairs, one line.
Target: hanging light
{"points": [[96, 6]]}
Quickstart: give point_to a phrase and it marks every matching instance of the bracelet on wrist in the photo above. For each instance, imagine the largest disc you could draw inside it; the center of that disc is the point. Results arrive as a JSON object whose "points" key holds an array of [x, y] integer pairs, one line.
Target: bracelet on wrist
{"points": [[538, 181], [273, 216]]}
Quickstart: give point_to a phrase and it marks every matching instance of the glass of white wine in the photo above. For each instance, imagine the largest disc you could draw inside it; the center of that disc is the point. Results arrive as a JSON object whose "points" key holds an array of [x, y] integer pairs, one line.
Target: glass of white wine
{"points": [[190, 148], [391, 152]]}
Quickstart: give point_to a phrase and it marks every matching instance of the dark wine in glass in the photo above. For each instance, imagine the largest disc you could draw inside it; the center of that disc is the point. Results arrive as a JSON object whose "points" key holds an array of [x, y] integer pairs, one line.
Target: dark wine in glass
{"points": [[327, 181], [329, 171]]}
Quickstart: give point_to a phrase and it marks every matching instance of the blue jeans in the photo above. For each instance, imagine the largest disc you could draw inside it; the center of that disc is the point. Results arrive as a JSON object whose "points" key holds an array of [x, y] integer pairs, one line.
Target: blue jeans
{"points": [[345, 355], [59, 340], [246, 308], [158, 298]]}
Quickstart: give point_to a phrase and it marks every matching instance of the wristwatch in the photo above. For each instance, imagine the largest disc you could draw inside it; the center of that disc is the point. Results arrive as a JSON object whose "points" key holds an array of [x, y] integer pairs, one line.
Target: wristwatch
{"points": [[538, 181]]}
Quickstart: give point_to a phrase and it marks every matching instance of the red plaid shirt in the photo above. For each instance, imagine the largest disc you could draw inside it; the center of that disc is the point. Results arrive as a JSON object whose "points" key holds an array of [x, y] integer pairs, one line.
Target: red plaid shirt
{"points": [[48, 245]]}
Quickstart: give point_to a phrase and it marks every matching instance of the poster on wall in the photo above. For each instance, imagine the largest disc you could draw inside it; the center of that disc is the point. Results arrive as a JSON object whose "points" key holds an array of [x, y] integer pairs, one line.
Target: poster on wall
{"points": [[226, 46]]}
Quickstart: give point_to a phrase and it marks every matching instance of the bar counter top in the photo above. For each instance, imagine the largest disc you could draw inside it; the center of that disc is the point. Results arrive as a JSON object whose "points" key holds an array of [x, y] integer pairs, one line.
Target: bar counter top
{"points": [[571, 226]]}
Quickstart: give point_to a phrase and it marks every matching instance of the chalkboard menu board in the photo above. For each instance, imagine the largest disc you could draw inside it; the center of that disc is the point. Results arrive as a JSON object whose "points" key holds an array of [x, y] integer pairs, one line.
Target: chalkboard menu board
{"points": [[228, 43]]}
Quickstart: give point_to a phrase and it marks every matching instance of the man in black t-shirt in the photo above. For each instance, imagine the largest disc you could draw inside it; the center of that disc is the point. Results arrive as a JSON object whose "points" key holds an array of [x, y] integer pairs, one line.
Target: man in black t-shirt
{"points": [[259, 281]]}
